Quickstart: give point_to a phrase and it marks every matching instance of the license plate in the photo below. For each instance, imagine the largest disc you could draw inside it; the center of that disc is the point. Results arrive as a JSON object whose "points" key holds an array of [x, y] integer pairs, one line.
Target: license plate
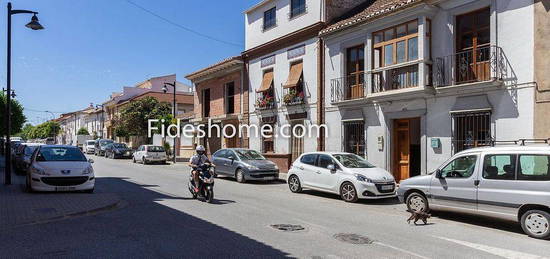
{"points": [[387, 187], [64, 188]]}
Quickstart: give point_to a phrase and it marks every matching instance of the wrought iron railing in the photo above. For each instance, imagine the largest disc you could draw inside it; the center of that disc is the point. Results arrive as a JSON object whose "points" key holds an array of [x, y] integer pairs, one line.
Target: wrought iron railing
{"points": [[395, 78], [348, 87], [294, 95], [265, 101], [476, 65]]}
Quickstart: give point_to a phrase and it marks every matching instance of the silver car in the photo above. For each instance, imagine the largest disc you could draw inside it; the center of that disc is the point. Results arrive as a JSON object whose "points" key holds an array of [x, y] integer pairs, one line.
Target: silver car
{"points": [[244, 164], [508, 182]]}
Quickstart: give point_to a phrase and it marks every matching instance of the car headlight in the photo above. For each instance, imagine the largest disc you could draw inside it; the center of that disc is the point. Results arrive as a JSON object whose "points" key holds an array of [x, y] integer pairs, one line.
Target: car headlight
{"points": [[38, 171], [89, 170], [251, 167], [362, 178]]}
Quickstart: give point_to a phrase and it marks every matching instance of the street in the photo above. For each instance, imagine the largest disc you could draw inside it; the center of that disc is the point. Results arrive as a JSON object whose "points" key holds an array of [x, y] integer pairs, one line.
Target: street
{"points": [[158, 219]]}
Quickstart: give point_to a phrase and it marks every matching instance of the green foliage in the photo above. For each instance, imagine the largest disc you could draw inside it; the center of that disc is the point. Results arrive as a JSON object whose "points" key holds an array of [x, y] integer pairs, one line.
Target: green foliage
{"points": [[45, 130], [134, 117], [17, 118], [26, 131], [82, 131]]}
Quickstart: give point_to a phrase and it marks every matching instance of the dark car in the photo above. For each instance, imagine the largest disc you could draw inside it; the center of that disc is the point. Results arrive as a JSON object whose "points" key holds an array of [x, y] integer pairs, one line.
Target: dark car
{"points": [[117, 150], [244, 164], [100, 145], [23, 156]]}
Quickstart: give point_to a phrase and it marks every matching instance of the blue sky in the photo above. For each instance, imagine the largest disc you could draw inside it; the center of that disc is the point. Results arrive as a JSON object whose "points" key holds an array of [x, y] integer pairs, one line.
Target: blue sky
{"points": [[91, 48]]}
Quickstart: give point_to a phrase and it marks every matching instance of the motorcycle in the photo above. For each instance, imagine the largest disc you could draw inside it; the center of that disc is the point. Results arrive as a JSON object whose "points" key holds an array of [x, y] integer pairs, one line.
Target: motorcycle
{"points": [[206, 183]]}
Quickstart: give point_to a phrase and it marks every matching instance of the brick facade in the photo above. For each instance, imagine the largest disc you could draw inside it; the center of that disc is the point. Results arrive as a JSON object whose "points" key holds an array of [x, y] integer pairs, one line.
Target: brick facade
{"points": [[217, 87]]}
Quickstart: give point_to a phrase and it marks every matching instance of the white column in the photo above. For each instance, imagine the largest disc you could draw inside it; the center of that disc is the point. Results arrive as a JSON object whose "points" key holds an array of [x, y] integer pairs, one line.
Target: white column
{"points": [[422, 51]]}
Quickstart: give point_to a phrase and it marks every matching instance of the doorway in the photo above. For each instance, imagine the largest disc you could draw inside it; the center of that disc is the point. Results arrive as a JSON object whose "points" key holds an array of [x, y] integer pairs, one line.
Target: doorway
{"points": [[406, 148], [296, 142]]}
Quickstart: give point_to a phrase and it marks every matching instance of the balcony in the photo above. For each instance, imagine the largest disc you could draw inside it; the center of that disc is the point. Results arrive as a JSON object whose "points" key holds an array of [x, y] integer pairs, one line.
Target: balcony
{"points": [[294, 95], [388, 79], [348, 88], [471, 66], [265, 101]]}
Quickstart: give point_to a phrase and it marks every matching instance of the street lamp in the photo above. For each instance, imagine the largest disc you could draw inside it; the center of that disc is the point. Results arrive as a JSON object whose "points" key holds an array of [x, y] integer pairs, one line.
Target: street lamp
{"points": [[164, 89], [34, 25]]}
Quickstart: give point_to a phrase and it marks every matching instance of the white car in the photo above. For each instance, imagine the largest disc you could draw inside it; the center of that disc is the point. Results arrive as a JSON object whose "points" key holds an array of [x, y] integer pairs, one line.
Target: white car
{"points": [[89, 147], [149, 154], [60, 168], [349, 175]]}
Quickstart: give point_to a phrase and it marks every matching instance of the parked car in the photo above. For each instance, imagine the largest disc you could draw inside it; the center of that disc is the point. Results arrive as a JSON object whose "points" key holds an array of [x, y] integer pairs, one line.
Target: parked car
{"points": [[349, 175], [149, 154], [60, 168], [23, 156], [14, 145], [244, 164], [117, 150], [89, 148], [100, 144], [507, 182]]}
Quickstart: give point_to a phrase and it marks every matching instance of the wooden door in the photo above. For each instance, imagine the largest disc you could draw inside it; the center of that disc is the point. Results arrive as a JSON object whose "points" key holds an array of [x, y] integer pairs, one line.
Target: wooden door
{"points": [[296, 143], [355, 70], [473, 46], [401, 152]]}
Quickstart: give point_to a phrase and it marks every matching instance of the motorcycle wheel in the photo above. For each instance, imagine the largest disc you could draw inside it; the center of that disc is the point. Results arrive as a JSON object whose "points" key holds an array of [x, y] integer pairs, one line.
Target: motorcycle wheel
{"points": [[210, 196]]}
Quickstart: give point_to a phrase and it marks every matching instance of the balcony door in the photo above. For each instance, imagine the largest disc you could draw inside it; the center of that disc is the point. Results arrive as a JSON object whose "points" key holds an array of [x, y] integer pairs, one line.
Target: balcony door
{"points": [[473, 46], [355, 69]]}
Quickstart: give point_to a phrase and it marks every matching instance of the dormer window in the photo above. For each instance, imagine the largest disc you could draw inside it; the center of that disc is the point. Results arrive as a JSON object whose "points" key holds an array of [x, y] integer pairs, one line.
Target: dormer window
{"points": [[270, 18], [297, 7]]}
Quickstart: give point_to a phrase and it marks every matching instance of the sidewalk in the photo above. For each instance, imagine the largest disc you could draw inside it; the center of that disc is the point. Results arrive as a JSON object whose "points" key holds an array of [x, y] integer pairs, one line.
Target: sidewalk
{"points": [[20, 208]]}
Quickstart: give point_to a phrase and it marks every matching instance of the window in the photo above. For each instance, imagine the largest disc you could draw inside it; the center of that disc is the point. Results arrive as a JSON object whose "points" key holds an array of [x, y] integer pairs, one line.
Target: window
{"points": [[206, 103], [462, 167], [354, 137], [499, 167], [268, 142], [534, 168], [471, 130], [230, 98], [395, 45], [220, 153], [473, 37], [353, 161], [325, 160], [297, 7], [270, 20], [355, 72], [308, 159]]}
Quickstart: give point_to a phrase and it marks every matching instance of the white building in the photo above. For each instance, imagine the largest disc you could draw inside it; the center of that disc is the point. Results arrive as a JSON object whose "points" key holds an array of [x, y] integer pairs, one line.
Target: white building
{"points": [[409, 82], [282, 60]]}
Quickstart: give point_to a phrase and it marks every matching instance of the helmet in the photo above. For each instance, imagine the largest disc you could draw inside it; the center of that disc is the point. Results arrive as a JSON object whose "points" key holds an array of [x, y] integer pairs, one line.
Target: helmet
{"points": [[200, 149]]}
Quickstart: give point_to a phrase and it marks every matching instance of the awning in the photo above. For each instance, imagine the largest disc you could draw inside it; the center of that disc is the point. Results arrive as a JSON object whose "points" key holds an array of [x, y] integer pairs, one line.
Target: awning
{"points": [[295, 75], [267, 81], [352, 115], [476, 103]]}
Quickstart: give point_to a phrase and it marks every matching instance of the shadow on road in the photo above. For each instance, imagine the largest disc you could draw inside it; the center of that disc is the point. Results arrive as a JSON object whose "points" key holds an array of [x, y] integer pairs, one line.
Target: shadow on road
{"points": [[387, 201], [256, 182], [144, 228], [481, 221]]}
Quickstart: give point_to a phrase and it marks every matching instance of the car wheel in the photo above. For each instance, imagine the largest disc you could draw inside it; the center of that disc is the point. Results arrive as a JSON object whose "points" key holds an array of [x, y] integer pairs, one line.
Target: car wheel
{"points": [[417, 202], [294, 184], [239, 175], [143, 161], [536, 223], [348, 192]]}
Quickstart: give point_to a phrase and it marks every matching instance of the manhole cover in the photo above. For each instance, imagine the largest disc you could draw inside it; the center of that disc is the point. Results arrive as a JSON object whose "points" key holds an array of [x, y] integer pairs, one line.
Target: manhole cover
{"points": [[353, 239], [287, 227]]}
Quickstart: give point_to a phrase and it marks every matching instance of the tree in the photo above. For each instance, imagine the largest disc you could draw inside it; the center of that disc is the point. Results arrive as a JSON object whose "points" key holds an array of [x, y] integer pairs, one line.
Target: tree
{"points": [[82, 131], [45, 130], [17, 117], [134, 117], [26, 131]]}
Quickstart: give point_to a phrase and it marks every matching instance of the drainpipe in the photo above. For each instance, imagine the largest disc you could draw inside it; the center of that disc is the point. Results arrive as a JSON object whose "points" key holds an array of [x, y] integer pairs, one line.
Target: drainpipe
{"points": [[320, 93]]}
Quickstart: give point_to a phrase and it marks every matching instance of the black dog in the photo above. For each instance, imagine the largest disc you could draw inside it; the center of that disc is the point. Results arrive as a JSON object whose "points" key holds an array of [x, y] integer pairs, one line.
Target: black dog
{"points": [[418, 215]]}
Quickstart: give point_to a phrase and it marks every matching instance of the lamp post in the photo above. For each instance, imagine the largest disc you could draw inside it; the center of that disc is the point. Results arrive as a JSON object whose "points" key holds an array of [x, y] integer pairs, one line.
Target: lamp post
{"points": [[34, 25], [164, 89]]}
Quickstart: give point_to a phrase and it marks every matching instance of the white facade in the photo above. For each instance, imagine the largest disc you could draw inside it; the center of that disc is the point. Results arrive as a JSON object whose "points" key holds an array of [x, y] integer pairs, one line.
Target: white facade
{"points": [[511, 96]]}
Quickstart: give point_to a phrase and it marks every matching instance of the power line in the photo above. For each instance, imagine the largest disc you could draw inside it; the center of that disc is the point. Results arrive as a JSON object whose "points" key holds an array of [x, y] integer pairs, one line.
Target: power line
{"points": [[34, 110], [183, 27]]}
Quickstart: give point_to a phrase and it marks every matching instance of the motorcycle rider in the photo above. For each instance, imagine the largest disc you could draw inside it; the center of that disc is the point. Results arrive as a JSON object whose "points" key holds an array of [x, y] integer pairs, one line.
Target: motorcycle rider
{"points": [[196, 161]]}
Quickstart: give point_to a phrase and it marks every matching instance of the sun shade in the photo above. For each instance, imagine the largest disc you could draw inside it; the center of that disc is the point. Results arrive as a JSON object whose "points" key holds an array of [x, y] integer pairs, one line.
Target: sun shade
{"points": [[471, 104], [266, 82], [295, 75]]}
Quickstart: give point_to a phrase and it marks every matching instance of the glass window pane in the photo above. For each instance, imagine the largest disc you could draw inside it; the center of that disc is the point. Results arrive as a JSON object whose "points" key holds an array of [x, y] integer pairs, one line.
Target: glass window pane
{"points": [[499, 167], [388, 35], [388, 55], [378, 37], [483, 37], [534, 167], [401, 52], [467, 41], [483, 18], [413, 27], [462, 167], [413, 49], [377, 58], [401, 31], [464, 24]]}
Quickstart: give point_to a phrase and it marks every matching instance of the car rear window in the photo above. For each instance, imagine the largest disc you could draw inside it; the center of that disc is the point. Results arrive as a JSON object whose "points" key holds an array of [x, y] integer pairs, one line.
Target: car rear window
{"points": [[308, 159], [534, 168]]}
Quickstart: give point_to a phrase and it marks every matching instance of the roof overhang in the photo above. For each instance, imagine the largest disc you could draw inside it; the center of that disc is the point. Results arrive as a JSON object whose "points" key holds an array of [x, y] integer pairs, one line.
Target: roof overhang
{"points": [[229, 64]]}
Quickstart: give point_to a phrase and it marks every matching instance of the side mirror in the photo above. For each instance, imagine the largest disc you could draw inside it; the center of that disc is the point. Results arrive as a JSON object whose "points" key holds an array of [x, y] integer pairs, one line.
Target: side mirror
{"points": [[438, 174], [91, 161], [332, 168]]}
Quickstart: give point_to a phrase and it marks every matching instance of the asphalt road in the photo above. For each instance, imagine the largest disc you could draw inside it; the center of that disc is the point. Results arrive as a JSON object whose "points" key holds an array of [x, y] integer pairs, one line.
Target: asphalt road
{"points": [[158, 219]]}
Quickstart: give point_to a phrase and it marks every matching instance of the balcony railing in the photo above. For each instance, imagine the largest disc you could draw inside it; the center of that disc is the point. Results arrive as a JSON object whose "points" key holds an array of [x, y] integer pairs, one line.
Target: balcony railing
{"points": [[348, 87], [264, 102], [294, 95], [395, 78], [476, 65]]}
